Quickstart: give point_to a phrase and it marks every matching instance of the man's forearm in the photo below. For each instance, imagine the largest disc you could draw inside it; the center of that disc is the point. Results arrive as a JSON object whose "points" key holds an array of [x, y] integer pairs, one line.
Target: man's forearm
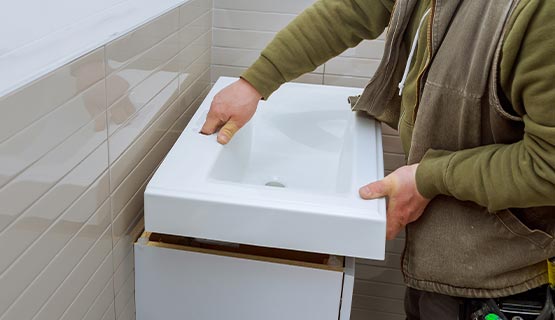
{"points": [[496, 176]]}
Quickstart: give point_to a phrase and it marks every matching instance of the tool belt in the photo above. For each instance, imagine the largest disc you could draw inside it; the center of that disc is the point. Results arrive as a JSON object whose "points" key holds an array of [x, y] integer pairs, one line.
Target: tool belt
{"points": [[536, 304]]}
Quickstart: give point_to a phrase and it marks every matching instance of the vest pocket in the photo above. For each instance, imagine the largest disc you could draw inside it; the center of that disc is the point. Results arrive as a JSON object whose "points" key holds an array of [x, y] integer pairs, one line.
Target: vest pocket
{"points": [[512, 223]]}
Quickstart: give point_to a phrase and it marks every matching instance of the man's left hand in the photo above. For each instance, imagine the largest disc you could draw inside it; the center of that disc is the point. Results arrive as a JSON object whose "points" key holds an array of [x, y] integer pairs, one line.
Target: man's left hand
{"points": [[405, 203]]}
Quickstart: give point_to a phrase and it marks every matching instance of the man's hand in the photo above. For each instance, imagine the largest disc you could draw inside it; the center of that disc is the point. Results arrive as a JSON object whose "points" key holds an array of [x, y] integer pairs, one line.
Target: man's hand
{"points": [[231, 109], [405, 204]]}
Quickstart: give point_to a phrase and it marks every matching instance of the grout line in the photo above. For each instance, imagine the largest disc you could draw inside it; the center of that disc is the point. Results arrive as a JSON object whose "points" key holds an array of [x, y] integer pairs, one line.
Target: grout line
{"points": [[55, 146], [86, 284], [73, 270], [54, 184], [85, 224], [111, 280]]}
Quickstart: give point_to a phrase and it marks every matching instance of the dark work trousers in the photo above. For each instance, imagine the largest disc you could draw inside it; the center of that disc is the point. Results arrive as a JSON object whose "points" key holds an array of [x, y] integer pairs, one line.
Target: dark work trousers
{"points": [[422, 305]]}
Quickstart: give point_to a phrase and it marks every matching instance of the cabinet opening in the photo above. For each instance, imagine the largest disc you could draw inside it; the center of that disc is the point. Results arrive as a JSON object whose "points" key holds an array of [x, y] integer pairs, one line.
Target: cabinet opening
{"points": [[299, 258]]}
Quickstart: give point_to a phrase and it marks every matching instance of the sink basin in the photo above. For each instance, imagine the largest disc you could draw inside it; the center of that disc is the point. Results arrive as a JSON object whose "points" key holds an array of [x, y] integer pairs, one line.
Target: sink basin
{"points": [[289, 179]]}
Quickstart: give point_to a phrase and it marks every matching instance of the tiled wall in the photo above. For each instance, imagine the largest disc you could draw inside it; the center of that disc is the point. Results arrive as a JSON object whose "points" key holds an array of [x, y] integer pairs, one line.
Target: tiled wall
{"points": [[76, 150], [241, 29]]}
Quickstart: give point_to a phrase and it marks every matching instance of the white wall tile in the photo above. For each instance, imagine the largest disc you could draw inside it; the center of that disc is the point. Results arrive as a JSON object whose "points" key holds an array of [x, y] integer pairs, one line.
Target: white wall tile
{"points": [[285, 6], [251, 20]]}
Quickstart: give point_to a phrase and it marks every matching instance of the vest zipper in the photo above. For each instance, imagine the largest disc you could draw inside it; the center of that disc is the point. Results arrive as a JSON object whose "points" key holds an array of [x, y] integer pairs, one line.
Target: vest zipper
{"points": [[428, 60]]}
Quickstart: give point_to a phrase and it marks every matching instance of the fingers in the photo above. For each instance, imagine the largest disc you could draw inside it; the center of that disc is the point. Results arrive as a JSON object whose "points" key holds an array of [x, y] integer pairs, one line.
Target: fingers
{"points": [[211, 124], [393, 228], [227, 132], [375, 190]]}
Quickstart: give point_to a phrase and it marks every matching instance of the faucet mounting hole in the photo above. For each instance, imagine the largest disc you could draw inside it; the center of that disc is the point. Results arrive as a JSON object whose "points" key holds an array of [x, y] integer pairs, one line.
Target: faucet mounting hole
{"points": [[274, 183]]}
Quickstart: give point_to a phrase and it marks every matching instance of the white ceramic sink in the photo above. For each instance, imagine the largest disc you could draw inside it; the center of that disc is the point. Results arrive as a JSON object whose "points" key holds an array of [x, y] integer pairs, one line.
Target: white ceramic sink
{"points": [[289, 179]]}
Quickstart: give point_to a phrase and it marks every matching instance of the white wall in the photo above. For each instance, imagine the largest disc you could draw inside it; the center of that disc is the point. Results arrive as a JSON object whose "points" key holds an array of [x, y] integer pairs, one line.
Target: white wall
{"points": [[43, 18], [241, 30]]}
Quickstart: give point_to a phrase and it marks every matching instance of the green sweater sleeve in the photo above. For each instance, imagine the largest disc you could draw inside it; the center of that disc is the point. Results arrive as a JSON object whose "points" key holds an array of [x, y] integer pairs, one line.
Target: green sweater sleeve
{"points": [[319, 33], [520, 174]]}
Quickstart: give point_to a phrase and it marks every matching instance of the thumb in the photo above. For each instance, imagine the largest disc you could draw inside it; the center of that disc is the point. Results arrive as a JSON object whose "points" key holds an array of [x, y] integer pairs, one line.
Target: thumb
{"points": [[227, 131], [375, 190]]}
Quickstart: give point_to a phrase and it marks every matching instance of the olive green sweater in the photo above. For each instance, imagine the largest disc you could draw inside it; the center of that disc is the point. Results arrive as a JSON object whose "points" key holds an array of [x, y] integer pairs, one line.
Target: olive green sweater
{"points": [[495, 176]]}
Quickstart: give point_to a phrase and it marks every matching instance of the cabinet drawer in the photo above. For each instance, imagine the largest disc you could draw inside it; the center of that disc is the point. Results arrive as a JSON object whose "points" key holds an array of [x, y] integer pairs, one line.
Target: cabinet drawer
{"points": [[186, 278]]}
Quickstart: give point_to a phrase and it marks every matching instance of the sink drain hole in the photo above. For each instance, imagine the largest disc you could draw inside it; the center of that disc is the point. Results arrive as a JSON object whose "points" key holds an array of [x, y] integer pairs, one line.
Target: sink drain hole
{"points": [[276, 184]]}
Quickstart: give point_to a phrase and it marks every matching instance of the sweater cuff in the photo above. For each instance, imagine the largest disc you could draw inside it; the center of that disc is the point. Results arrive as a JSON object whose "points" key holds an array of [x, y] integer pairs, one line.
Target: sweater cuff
{"points": [[263, 76], [431, 172]]}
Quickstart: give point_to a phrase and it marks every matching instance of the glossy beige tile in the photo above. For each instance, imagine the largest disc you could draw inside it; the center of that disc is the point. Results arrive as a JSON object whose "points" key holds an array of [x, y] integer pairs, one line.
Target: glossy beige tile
{"points": [[124, 294], [127, 77], [138, 175], [251, 20], [51, 276], [379, 305], [387, 130], [27, 146], [287, 6], [126, 241], [194, 70], [356, 67], [392, 144], [192, 53], [61, 299], [123, 270], [244, 58], [30, 103], [131, 103], [363, 314], [184, 119], [140, 147], [96, 283], [313, 78], [101, 303], [346, 81], [393, 161], [128, 47], [125, 135], [193, 9], [371, 273], [379, 289], [36, 238], [110, 313], [395, 246], [241, 38], [195, 29], [369, 49], [131, 210], [128, 312], [20, 193]]}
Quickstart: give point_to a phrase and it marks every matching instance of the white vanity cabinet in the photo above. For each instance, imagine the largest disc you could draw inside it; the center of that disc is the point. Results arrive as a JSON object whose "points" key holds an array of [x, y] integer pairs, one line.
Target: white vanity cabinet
{"points": [[267, 226], [188, 281]]}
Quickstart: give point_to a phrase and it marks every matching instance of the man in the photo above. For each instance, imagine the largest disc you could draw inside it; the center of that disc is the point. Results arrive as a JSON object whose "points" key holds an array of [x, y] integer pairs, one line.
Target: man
{"points": [[470, 85]]}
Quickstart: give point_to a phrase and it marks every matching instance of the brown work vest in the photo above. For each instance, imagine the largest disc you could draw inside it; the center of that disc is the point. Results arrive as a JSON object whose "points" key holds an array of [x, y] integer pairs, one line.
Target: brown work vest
{"points": [[458, 248]]}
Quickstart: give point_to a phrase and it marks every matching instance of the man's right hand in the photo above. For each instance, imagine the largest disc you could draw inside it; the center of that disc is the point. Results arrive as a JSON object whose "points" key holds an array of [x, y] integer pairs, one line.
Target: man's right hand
{"points": [[231, 109]]}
